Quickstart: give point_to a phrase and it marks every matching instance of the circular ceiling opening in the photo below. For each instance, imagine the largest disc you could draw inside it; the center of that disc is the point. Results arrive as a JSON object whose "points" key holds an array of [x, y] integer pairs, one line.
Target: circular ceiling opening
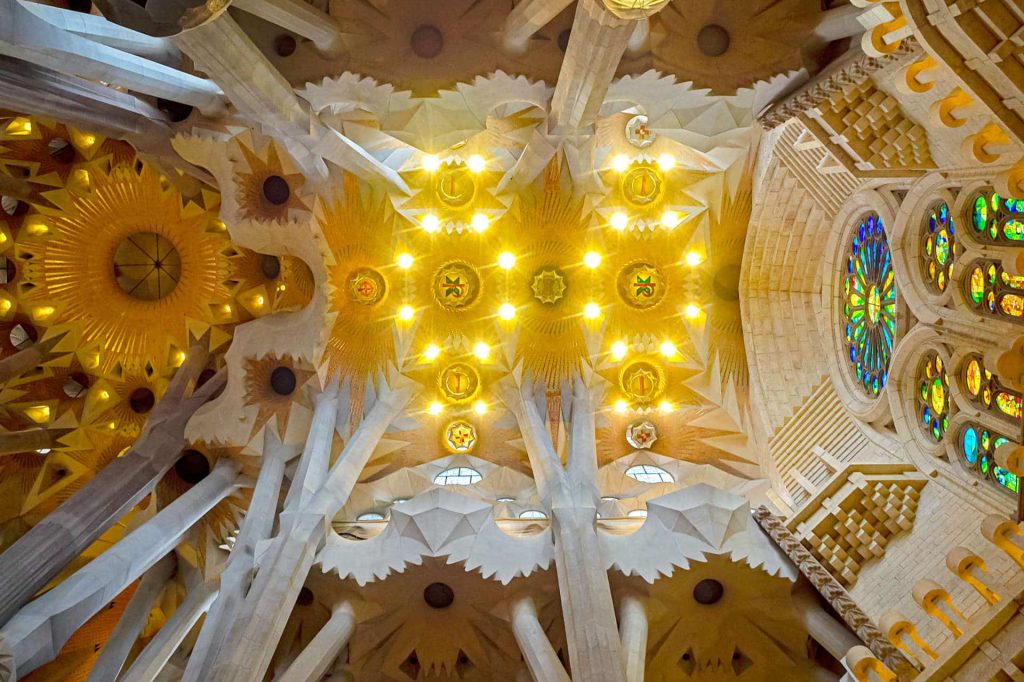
{"points": [[438, 595], [285, 45], [270, 266], [176, 111], [147, 266], [427, 42], [282, 381], [727, 283], [713, 40], [141, 400], [708, 591], [305, 597], [276, 190], [192, 466]]}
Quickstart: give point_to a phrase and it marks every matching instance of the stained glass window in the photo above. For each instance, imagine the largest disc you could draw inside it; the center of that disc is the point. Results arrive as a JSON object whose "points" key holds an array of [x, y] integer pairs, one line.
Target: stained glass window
{"points": [[977, 447], [993, 291], [648, 473], [940, 247], [997, 219], [985, 390], [870, 305], [933, 395], [458, 476]]}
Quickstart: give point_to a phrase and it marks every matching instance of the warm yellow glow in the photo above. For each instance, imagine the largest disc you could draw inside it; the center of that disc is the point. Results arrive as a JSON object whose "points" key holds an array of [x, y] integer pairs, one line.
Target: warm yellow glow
{"points": [[619, 350], [620, 162], [665, 406], [227, 308], [5, 306], [404, 260], [112, 426], [692, 311], [405, 313], [668, 349], [480, 222], [281, 287], [481, 350], [621, 406], [179, 358], [19, 126], [435, 408], [666, 162], [103, 395], [432, 351], [694, 258], [38, 413], [506, 311], [260, 301], [431, 162], [88, 140], [430, 223], [480, 407], [591, 311], [43, 312], [619, 220], [591, 259], [506, 260], [670, 219], [3, 238], [35, 226], [476, 163]]}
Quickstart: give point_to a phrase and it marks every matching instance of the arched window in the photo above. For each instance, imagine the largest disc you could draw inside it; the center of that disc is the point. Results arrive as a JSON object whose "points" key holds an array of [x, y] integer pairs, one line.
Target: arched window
{"points": [[997, 219], [993, 291], [985, 390], [370, 516], [648, 473], [976, 447], [637, 514], [940, 248], [533, 514], [870, 305], [458, 476], [933, 395]]}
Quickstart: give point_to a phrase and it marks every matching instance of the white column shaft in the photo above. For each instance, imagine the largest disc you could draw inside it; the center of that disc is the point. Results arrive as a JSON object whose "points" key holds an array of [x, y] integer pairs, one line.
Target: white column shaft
{"points": [[318, 655], [528, 17], [633, 632], [541, 658], [301, 18]]}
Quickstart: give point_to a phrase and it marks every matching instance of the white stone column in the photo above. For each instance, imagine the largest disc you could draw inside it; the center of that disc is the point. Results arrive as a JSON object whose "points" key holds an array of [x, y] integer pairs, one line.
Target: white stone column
{"points": [[633, 632], [318, 655], [526, 18], [37, 632], [241, 564], [129, 625], [830, 633], [838, 23], [153, 658], [25, 36], [540, 656], [301, 18], [250, 645]]}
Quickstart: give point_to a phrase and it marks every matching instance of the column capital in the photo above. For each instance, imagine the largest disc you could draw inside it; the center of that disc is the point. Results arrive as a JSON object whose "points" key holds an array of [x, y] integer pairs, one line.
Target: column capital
{"points": [[634, 10]]}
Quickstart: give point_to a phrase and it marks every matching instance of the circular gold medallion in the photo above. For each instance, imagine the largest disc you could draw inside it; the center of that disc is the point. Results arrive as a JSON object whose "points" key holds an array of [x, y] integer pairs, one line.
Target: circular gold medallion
{"points": [[641, 381], [459, 382], [147, 266], [460, 436], [456, 285], [641, 186], [455, 186], [548, 286], [641, 285], [367, 286]]}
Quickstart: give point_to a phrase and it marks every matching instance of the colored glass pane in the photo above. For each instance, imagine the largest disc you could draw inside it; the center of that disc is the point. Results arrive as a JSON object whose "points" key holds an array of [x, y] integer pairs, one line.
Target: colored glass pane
{"points": [[1009, 404], [933, 383], [997, 219], [1012, 304], [1014, 230], [969, 443], [974, 377], [870, 305], [979, 216], [940, 247]]}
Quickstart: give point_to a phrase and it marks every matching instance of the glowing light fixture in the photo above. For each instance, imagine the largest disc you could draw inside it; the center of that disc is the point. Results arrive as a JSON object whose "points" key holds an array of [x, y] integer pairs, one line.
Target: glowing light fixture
{"points": [[591, 259], [480, 407], [404, 260], [506, 260], [430, 223], [405, 313], [692, 311], [671, 219], [431, 162], [666, 162], [435, 408], [619, 350], [694, 258], [476, 163], [621, 406], [431, 352], [480, 222], [619, 220], [668, 349], [481, 350], [506, 311], [665, 406], [591, 311], [620, 162]]}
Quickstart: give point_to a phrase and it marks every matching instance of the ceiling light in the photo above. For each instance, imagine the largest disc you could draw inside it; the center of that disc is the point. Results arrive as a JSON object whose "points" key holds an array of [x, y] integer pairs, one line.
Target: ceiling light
{"points": [[431, 162], [670, 219], [665, 406], [406, 313], [619, 350], [480, 222], [668, 349], [666, 162], [694, 258], [591, 311], [432, 351], [481, 350], [621, 406], [506, 260], [430, 223], [476, 163], [619, 220], [620, 162], [506, 311], [480, 407], [692, 311], [592, 259], [435, 408], [404, 260]]}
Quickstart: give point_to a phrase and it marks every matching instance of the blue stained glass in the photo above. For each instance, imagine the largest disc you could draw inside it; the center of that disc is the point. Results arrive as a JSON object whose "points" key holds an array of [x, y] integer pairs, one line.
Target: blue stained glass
{"points": [[970, 445], [870, 305]]}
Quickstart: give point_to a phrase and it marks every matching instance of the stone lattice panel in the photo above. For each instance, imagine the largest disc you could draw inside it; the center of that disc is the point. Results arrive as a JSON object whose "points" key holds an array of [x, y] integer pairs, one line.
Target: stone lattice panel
{"points": [[854, 524], [875, 129]]}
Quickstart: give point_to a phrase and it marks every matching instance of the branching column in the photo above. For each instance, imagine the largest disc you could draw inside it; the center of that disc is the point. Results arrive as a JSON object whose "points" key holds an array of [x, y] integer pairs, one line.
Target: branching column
{"points": [[250, 645], [41, 553], [36, 634], [541, 658], [633, 631], [318, 655], [528, 17], [30, 439]]}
